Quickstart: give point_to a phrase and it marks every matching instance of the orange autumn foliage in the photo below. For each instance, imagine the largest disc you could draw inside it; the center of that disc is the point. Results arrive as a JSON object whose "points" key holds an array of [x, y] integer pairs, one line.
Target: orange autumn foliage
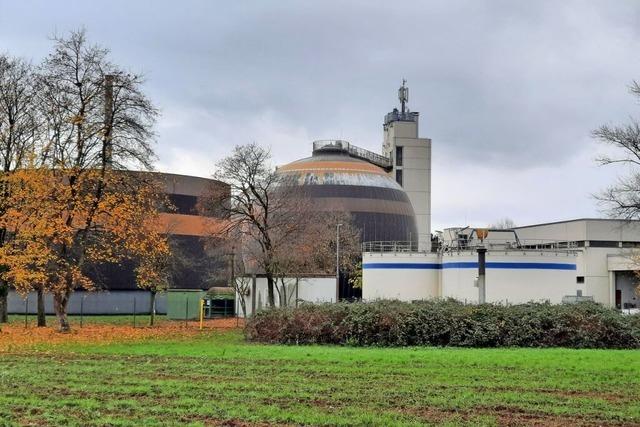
{"points": [[15, 337], [63, 219]]}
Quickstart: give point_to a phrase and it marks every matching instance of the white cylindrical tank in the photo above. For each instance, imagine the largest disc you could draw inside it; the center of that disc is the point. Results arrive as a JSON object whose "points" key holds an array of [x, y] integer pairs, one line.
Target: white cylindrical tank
{"points": [[511, 276], [403, 276], [514, 277]]}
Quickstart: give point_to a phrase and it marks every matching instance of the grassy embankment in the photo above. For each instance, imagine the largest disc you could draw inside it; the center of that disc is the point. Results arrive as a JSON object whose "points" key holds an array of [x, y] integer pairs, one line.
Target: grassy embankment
{"points": [[214, 377]]}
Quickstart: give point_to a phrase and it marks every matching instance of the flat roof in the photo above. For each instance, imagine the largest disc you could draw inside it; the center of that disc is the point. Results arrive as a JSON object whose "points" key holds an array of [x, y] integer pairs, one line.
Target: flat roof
{"points": [[579, 219]]}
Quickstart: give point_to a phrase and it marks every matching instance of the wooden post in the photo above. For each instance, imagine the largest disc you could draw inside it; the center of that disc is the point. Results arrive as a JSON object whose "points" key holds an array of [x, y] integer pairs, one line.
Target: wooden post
{"points": [[186, 310], [26, 311]]}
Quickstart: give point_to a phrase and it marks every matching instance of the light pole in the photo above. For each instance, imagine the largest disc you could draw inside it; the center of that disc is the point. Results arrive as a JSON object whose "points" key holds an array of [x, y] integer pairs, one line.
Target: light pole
{"points": [[338, 262]]}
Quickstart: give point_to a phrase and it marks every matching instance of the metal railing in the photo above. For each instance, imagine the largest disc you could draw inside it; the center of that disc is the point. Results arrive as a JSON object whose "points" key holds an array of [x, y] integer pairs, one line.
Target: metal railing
{"points": [[353, 151], [459, 245], [537, 245], [399, 116], [389, 246], [331, 145]]}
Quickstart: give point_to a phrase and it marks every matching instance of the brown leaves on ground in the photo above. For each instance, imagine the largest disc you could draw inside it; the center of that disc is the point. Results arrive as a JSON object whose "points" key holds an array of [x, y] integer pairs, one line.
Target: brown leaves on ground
{"points": [[15, 336]]}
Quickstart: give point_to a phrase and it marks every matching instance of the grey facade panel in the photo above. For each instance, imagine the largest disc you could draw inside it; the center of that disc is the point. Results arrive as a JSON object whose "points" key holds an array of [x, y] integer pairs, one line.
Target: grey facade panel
{"points": [[112, 302]]}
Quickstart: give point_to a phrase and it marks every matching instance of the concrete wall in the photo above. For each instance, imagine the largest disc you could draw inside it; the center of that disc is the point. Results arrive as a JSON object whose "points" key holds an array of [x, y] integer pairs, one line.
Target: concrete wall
{"points": [[416, 170], [611, 230], [564, 231], [311, 289], [407, 277], [113, 302]]}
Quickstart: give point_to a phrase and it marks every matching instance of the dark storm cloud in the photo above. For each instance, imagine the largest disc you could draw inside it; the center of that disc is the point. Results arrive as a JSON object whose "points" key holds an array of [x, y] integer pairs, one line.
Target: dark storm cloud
{"points": [[513, 86]]}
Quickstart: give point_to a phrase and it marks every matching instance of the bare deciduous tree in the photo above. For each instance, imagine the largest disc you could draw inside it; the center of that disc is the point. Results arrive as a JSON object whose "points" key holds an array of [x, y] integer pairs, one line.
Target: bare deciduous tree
{"points": [[18, 134], [505, 223], [622, 199], [257, 208], [312, 249], [276, 227]]}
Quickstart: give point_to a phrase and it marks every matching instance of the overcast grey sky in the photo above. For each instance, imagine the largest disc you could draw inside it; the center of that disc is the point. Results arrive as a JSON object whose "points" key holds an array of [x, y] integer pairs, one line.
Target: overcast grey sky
{"points": [[508, 91]]}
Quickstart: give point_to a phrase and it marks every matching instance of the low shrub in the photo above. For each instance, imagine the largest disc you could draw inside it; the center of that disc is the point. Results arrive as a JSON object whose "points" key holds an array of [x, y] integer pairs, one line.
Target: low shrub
{"points": [[447, 323]]}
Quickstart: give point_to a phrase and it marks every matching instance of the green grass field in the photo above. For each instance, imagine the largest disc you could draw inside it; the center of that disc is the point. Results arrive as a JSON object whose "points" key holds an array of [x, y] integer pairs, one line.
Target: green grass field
{"points": [[218, 379]]}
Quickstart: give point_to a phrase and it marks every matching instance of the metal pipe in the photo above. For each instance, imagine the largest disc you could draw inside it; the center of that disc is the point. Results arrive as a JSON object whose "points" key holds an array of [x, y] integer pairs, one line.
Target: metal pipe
{"points": [[482, 253]]}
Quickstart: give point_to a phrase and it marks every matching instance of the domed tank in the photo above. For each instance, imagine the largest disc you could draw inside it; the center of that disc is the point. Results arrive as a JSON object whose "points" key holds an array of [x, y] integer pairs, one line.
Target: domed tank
{"points": [[338, 180]]}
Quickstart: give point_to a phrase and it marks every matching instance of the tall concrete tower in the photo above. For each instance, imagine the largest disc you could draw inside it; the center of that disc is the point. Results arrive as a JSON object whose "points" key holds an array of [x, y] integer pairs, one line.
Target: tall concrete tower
{"points": [[411, 156]]}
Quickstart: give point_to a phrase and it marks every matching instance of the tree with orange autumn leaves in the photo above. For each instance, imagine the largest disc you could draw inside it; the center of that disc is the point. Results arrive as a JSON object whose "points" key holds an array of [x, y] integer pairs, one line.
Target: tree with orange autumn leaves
{"points": [[75, 203], [58, 231]]}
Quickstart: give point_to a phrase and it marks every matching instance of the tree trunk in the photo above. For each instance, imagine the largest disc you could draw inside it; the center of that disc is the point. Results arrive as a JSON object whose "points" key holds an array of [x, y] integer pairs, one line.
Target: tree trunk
{"points": [[270, 296], [60, 303], [152, 308], [4, 304], [243, 306], [42, 319], [282, 293]]}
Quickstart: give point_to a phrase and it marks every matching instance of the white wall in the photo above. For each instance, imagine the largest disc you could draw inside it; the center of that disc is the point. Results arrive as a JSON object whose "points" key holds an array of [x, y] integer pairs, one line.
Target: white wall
{"points": [[311, 289], [384, 277], [513, 277]]}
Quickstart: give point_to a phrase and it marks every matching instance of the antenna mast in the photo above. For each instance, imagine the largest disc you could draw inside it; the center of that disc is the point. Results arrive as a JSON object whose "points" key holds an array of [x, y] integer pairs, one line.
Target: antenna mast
{"points": [[403, 95]]}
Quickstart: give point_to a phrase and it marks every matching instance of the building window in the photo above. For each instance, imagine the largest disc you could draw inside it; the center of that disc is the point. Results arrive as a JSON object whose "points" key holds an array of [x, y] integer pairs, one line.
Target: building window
{"points": [[580, 279], [603, 244], [399, 176], [398, 156]]}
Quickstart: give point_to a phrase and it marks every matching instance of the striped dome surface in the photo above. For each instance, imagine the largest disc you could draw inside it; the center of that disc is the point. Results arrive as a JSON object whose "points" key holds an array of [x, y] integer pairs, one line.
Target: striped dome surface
{"points": [[339, 183]]}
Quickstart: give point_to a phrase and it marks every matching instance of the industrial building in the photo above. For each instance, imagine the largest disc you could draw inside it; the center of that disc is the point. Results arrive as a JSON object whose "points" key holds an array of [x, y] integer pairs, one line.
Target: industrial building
{"points": [[388, 196], [571, 260], [186, 225], [562, 261]]}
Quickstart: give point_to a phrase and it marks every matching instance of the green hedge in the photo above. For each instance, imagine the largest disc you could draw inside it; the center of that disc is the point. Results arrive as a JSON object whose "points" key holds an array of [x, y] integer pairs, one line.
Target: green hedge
{"points": [[447, 323]]}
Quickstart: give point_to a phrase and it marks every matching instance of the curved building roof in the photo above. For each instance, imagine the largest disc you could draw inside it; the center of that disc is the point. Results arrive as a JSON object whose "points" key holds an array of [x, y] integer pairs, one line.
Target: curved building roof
{"points": [[338, 182]]}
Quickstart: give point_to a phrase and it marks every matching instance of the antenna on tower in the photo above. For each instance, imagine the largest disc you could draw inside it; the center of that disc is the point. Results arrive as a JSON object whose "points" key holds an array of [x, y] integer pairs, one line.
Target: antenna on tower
{"points": [[403, 95]]}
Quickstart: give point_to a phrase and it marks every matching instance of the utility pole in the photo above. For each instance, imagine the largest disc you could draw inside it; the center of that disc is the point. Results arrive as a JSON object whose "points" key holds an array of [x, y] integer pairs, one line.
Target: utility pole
{"points": [[338, 262]]}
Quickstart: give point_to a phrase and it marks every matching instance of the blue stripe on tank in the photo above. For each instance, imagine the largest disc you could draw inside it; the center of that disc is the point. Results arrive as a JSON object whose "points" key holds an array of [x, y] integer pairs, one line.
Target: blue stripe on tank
{"points": [[402, 265], [466, 264]]}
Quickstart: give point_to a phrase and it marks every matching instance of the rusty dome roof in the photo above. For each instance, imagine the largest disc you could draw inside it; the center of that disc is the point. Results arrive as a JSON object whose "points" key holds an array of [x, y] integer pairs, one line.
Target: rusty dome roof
{"points": [[339, 182], [327, 168]]}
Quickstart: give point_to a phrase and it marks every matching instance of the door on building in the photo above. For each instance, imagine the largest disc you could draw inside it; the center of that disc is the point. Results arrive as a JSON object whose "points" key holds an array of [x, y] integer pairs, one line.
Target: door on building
{"points": [[626, 290]]}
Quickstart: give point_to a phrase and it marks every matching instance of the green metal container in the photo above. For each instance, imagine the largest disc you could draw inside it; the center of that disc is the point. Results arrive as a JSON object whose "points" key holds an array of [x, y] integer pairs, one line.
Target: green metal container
{"points": [[184, 304]]}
